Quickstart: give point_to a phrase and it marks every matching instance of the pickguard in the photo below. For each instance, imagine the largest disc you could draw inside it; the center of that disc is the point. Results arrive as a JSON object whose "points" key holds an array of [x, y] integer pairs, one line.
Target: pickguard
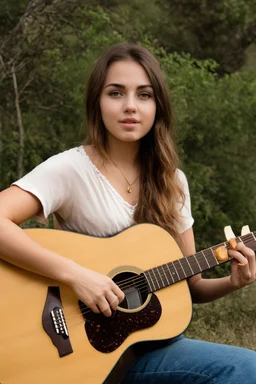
{"points": [[106, 334]]}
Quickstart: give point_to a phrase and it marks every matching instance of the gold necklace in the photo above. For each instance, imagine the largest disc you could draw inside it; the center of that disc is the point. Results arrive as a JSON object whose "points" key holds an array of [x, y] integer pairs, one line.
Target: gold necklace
{"points": [[129, 189]]}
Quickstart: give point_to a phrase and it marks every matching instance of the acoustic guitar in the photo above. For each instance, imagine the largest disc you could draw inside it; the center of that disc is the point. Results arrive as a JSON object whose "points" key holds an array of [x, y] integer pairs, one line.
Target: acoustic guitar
{"points": [[48, 336]]}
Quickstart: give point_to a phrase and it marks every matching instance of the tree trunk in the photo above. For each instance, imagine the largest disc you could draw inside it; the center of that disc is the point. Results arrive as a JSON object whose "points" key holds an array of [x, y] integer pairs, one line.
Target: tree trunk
{"points": [[1, 152], [20, 165]]}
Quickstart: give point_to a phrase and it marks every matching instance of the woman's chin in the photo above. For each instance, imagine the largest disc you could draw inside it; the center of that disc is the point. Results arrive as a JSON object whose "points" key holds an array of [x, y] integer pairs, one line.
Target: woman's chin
{"points": [[129, 138]]}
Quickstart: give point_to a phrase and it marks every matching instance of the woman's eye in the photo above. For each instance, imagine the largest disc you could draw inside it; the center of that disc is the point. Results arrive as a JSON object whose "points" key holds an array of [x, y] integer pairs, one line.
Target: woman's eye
{"points": [[115, 93], [145, 95]]}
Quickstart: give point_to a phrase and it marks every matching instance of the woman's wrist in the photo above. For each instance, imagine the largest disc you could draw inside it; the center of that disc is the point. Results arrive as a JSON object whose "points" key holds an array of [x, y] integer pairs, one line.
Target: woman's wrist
{"points": [[207, 290], [67, 272]]}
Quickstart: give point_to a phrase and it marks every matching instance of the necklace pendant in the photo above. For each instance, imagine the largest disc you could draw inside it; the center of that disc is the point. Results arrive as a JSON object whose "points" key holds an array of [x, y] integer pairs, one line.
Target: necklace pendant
{"points": [[129, 189]]}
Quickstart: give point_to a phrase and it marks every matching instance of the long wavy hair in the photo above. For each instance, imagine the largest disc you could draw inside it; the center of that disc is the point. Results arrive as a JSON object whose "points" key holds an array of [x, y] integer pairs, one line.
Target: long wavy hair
{"points": [[160, 192]]}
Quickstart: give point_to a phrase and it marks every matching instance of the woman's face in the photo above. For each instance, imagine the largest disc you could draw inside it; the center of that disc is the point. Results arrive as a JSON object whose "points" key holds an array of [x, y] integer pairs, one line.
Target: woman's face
{"points": [[127, 101]]}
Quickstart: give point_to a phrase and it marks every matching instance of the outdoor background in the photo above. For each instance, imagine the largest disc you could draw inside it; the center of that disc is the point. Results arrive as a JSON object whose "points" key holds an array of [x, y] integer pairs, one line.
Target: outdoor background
{"points": [[207, 51]]}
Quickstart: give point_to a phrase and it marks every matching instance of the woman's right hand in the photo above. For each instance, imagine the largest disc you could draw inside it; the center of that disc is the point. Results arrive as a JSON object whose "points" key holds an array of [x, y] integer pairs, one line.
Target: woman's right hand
{"points": [[96, 290]]}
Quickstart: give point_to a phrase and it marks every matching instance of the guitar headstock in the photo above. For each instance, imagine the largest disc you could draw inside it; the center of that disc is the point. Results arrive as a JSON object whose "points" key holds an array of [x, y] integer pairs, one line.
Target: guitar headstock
{"points": [[229, 234], [247, 236]]}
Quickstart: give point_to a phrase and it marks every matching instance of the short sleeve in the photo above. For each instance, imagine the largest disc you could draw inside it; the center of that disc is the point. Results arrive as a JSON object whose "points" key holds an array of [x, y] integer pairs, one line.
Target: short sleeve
{"points": [[50, 182], [186, 219]]}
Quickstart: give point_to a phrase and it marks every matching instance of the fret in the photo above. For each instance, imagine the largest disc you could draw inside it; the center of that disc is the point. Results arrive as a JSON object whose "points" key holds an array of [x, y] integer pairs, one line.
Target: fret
{"points": [[173, 272], [215, 258], [176, 271], [187, 267], [151, 277], [180, 269], [199, 266], [225, 244], [211, 258], [167, 281], [163, 284], [205, 258], [155, 278], [148, 281], [185, 274], [170, 273], [203, 261], [186, 259]]}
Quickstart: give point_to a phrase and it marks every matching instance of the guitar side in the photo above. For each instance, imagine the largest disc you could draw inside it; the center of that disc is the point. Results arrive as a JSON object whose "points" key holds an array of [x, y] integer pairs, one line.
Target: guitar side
{"points": [[27, 354]]}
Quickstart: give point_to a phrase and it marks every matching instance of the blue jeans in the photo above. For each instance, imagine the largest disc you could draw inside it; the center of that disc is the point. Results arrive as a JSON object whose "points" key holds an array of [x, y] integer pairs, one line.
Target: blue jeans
{"points": [[187, 361]]}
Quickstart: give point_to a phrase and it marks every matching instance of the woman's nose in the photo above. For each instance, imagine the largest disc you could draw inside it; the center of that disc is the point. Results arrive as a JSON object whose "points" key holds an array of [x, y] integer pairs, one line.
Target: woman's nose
{"points": [[130, 104]]}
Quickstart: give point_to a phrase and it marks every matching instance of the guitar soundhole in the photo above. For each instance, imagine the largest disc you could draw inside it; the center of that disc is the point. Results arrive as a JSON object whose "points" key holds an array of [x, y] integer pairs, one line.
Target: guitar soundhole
{"points": [[135, 288], [140, 311]]}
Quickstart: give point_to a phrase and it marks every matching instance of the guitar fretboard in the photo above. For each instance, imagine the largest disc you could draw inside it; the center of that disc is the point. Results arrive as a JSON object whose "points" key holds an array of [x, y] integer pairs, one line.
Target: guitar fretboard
{"points": [[181, 269]]}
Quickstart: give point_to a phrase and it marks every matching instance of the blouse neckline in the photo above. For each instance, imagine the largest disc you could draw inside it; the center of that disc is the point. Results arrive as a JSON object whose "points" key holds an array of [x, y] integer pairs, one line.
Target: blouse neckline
{"points": [[105, 180]]}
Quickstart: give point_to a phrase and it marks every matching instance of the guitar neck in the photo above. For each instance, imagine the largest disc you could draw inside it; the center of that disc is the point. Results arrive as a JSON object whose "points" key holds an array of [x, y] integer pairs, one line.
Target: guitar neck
{"points": [[181, 269]]}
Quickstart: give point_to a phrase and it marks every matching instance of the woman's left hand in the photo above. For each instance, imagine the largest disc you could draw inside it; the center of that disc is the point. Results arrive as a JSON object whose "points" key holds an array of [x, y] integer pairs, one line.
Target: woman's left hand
{"points": [[243, 266]]}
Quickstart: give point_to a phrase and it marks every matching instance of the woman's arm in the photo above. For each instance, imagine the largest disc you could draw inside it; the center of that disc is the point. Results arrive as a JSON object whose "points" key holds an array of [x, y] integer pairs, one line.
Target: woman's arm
{"points": [[16, 247], [242, 267], [94, 289]]}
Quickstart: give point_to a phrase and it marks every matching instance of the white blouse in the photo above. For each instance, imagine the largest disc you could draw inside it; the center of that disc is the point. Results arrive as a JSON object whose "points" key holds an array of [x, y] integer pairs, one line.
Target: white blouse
{"points": [[70, 186]]}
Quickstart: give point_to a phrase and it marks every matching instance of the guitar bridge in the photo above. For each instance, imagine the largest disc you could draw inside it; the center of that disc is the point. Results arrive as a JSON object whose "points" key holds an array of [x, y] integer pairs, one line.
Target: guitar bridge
{"points": [[54, 322], [59, 321]]}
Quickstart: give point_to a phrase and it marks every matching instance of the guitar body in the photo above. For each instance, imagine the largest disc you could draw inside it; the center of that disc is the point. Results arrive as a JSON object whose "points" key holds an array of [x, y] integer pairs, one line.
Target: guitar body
{"points": [[27, 353]]}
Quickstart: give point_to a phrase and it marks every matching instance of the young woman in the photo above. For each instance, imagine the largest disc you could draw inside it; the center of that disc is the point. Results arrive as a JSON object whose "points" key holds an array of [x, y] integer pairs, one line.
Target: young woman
{"points": [[126, 173]]}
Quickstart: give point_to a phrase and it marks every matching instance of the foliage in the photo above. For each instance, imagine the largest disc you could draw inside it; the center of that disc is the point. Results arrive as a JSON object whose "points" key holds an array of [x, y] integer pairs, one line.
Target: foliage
{"points": [[214, 117], [214, 121], [51, 79], [220, 30], [52, 46]]}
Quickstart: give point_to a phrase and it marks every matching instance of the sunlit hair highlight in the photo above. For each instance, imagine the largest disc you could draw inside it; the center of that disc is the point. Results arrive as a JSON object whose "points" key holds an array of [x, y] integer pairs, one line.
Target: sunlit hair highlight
{"points": [[160, 191]]}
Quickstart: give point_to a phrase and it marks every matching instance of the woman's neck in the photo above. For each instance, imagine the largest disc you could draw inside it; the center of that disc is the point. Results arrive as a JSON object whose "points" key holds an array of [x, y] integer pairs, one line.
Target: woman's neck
{"points": [[123, 153]]}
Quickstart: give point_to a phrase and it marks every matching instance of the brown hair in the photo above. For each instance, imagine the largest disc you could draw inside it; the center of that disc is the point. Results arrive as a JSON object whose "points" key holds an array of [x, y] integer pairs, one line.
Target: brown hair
{"points": [[160, 191]]}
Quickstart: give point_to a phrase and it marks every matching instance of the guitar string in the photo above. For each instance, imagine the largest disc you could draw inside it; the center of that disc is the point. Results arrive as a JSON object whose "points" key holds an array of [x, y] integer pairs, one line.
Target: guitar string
{"points": [[82, 320], [143, 287], [143, 283], [81, 313], [85, 309], [88, 310], [123, 285], [126, 283]]}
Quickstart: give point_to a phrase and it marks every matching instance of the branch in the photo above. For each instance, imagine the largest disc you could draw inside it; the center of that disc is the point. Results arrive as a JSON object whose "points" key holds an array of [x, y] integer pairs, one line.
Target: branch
{"points": [[32, 78], [33, 6], [52, 108]]}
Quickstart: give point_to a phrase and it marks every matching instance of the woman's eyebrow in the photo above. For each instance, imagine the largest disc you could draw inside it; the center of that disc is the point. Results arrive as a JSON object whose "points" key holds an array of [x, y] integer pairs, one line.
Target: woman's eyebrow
{"points": [[123, 86]]}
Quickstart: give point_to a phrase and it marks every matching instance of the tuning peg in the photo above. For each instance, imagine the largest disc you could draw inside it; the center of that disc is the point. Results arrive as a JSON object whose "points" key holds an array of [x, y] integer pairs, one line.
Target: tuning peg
{"points": [[245, 230], [229, 234]]}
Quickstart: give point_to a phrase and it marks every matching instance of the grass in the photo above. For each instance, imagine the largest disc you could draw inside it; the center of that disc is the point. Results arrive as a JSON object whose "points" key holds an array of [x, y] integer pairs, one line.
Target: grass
{"points": [[229, 320]]}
